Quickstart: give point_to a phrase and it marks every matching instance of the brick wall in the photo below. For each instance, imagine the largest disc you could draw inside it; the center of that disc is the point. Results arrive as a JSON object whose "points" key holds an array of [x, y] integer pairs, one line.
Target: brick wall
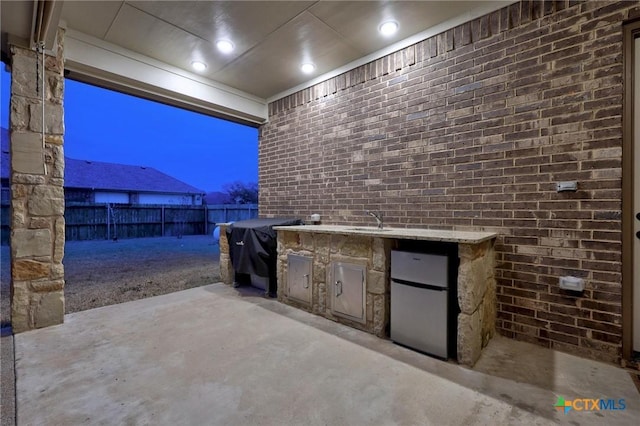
{"points": [[471, 129]]}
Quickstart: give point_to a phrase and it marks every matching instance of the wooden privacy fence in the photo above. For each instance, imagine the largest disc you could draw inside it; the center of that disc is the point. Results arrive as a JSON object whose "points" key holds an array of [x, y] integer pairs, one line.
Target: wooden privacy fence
{"points": [[222, 213], [5, 220], [103, 221]]}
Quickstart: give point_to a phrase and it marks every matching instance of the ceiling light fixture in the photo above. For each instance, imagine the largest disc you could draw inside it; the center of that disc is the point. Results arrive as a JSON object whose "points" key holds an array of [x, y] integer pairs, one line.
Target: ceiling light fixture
{"points": [[388, 28], [199, 66], [308, 68], [225, 46]]}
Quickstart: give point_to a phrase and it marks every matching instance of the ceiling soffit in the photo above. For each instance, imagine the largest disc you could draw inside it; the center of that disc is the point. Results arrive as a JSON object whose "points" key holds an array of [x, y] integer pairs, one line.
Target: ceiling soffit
{"points": [[272, 38]]}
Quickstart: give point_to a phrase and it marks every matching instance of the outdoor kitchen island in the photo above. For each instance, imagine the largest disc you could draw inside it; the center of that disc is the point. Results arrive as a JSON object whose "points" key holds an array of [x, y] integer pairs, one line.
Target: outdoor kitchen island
{"points": [[343, 273]]}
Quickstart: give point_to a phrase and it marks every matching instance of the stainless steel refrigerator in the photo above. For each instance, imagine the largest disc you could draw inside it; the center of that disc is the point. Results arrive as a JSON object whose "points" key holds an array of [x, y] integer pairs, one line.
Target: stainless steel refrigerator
{"points": [[420, 302]]}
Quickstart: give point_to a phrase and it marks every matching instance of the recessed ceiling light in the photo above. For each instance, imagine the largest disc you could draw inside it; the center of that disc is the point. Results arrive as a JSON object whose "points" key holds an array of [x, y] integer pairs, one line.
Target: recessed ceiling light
{"points": [[225, 46], [388, 28], [199, 66], [308, 68]]}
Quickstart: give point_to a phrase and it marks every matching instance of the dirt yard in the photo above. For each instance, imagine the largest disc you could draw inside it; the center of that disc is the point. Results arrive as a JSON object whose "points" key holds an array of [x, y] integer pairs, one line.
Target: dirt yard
{"points": [[100, 273]]}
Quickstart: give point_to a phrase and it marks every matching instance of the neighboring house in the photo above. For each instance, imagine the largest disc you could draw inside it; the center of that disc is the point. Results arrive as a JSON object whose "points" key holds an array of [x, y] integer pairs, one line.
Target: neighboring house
{"points": [[98, 182]]}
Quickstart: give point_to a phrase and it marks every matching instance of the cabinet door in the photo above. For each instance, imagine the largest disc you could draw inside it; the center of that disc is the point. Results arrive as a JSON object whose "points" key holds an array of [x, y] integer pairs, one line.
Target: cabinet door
{"points": [[348, 291], [299, 277]]}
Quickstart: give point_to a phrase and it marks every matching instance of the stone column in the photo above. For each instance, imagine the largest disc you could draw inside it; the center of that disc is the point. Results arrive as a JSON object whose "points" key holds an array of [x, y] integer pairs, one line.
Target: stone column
{"points": [[226, 269], [476, 298], [37, 193]]}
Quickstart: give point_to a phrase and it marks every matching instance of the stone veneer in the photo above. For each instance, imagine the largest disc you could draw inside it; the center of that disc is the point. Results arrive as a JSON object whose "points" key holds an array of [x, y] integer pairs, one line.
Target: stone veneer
{"points": [[371, 252], [476, 299], [226, 268], [37, 194]]}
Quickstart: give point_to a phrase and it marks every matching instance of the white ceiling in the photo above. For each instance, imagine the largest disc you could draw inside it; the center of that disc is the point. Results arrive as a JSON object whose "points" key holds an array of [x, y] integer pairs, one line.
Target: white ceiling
{"points": [[147, 47], [272, 38]]}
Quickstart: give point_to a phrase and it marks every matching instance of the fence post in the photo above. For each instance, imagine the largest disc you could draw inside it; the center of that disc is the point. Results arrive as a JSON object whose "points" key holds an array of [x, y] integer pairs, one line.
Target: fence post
{"points": [[108, 224], [162, 220], [206, 220]]}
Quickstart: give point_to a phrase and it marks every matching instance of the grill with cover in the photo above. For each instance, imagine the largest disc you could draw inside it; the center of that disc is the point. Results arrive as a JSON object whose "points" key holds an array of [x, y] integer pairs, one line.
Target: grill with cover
{"points": [[253, 248]]}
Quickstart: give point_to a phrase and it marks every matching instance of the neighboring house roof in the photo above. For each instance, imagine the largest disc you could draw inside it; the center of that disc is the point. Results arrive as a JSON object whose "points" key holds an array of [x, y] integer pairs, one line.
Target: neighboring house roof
{"points": [[108, 176], [121, 177], [5, 163]]}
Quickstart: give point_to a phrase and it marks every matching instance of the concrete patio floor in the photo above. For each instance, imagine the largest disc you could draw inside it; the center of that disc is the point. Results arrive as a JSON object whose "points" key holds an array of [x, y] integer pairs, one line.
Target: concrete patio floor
{"points": [[217, 355]]}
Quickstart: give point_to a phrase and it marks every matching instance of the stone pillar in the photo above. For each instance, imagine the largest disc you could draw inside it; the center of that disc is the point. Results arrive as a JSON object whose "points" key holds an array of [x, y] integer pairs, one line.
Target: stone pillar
{"points": [[37, 193], [226, 269], [476, 298]]}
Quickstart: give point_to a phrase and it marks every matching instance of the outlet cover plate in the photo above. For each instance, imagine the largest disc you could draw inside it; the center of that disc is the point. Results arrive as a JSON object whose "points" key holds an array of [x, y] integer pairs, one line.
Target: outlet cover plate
{"points": [[567, 186], [572, 283]]}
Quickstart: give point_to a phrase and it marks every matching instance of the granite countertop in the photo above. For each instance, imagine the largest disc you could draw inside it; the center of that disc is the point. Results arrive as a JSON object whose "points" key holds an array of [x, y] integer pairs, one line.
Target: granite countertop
{"points": [[465, 237]]}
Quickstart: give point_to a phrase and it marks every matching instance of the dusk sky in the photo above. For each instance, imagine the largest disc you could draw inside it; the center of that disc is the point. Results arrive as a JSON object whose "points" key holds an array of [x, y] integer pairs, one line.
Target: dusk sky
{"points": [[103, 125]]}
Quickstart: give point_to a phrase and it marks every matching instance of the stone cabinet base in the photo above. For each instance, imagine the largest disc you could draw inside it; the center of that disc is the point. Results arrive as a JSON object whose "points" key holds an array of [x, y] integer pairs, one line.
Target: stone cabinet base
{"points": [[327, 245], [324, 250]]}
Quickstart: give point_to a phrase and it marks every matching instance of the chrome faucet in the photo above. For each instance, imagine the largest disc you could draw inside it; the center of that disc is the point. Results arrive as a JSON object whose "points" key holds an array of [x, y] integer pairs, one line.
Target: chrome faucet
{"points": [[377, 216]]}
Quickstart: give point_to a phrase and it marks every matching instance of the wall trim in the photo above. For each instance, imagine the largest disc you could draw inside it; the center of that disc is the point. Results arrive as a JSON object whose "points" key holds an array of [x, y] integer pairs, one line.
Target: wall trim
{"points": [[98, 62], [631, 31]]}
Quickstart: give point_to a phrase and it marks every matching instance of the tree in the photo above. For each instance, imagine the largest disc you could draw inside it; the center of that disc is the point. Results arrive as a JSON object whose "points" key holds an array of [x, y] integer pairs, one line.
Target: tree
{"points": [[242, 193]]}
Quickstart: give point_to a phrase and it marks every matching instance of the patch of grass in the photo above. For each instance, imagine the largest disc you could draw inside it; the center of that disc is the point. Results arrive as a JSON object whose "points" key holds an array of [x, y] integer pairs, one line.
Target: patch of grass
{"points": [[100, 273]]}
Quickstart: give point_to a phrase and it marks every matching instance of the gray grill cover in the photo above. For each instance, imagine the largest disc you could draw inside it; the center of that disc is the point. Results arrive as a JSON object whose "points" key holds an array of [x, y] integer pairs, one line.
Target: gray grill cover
{"points": [[253, 247]]}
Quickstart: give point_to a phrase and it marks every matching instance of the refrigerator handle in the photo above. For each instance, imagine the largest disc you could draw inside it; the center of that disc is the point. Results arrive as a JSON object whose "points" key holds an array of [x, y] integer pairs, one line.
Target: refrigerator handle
{"points": [[419, 285]]}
